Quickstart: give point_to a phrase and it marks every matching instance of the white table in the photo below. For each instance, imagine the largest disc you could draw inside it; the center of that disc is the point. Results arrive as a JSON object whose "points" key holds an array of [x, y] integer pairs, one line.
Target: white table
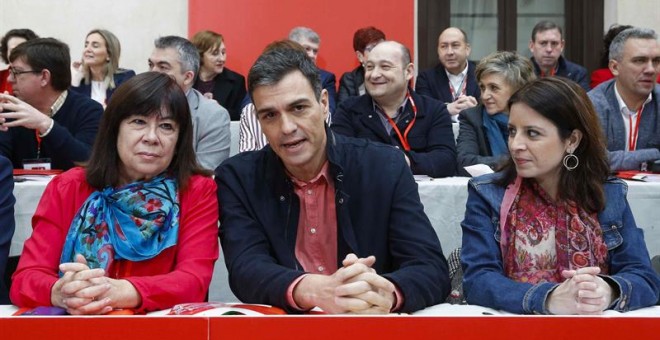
{"points": [[444, 202]]}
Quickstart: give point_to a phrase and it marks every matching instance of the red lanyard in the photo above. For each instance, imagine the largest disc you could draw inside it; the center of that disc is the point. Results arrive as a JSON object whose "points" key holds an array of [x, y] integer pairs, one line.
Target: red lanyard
{"points": [[552, 72], [36, 134], [633, 133], [461, 87], [404, 138]]}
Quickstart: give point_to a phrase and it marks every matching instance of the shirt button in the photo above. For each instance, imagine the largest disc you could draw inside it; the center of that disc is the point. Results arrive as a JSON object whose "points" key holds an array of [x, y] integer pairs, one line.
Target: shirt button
{"points": [[281, 198], [312, 230], [341, 201], [309, 192], [321, 268], [369, 116]]}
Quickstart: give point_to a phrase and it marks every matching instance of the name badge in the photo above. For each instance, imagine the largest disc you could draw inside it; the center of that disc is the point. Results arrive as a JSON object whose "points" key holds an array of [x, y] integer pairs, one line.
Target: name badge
{"points": [[36, 164]]}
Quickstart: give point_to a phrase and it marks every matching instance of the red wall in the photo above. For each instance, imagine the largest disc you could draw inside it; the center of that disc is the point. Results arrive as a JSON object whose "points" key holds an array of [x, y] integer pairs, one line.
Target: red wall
{"points": [[249, 25]]}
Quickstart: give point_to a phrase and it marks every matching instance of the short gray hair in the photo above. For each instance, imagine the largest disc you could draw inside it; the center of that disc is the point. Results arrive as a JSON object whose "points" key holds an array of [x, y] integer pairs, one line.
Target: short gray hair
{"points": [[516, 69], [616, 47], [188, 55], [300, 34]]}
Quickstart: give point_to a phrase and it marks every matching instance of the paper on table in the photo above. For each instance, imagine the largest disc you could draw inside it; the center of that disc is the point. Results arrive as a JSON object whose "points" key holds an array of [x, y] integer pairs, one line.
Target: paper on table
{"points": [[478, 170]]}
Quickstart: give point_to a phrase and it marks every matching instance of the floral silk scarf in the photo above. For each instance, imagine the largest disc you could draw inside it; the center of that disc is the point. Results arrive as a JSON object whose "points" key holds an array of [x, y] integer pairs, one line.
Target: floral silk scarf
{"points": [[540, 238], [135, 222]]}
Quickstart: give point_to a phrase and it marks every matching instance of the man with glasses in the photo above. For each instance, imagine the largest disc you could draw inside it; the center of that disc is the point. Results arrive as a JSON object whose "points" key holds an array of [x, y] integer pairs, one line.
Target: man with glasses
{"points": [[452, 81], [43, 126], [391, 113]]}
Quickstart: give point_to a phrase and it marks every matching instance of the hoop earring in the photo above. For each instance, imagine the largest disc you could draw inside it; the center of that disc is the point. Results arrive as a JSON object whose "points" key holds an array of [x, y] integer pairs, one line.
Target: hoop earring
{"points": [[568, 158]]}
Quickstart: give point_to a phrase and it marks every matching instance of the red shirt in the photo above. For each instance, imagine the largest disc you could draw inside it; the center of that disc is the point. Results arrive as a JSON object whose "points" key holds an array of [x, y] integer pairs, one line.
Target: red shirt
{"points": [[5, 85], [316, 240], [181, 273]]}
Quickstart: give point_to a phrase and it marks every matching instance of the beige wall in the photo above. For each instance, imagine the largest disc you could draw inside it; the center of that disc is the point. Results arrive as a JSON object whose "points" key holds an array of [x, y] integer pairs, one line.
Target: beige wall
{"points": [[135, 22], [642, 13]]}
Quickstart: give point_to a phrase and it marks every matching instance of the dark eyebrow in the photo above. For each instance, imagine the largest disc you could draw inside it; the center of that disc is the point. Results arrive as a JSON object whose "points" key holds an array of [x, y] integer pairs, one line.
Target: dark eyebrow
{"points": [[300, 101]]}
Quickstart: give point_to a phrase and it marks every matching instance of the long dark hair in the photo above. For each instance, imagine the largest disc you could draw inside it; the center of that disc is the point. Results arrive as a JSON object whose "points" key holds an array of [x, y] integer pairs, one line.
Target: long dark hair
{"points": [[567, 106], [145, 94]]}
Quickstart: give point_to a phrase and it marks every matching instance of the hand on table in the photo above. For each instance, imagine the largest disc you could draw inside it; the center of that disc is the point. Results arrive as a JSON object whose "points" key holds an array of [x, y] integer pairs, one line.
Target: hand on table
{"points": [[354, 288], [583, 292], [77, 293], [83, 291]]}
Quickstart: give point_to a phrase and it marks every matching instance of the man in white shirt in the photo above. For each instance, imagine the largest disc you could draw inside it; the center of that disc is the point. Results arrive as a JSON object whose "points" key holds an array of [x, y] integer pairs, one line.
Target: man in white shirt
{"points": [[629, 105], [452, 81]]}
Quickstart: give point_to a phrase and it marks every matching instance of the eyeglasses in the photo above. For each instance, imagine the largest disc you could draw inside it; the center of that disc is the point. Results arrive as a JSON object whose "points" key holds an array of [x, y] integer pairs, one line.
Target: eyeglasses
{"points": [[14, 72]]}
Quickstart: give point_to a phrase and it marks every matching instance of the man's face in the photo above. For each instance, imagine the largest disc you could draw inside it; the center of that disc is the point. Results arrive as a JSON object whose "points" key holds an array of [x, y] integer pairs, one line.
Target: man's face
{"points": [[26, 85], [292, 119], [311, 48], [547, 48], [452, 50], [638, 68], [166, 60], [386, 77]]}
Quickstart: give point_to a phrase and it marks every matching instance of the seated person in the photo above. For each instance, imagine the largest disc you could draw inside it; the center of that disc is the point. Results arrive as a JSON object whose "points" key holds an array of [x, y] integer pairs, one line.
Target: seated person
{"points": [[98, 74], [12, 39], [6, 222], [604, 74], [45, 125], [311, 41], [452, 81], [552, 234], [483, 129], [393, 114], [307, 222], [179, 58], [547, 45], [144, 181], [629, 105], [250, 135], [215, 80], [351, 83]]}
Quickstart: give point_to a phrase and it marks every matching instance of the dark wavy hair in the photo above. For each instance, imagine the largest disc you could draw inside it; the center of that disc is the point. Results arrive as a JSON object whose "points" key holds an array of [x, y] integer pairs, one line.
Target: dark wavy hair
{"points": [[24, 33], [567, 106], [279, 59], [607, 41], [146, 94]]}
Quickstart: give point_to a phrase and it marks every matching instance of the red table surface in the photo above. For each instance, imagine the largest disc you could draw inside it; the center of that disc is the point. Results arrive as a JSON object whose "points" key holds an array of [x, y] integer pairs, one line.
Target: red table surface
{"points": [[329, 327]]}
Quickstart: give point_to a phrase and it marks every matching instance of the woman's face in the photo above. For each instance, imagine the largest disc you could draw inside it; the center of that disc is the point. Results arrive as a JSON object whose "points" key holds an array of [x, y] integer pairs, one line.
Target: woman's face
{"points": [[536, 147], [96, 51], [214, 59], [12, 43], [495, 93], [146, 146]]}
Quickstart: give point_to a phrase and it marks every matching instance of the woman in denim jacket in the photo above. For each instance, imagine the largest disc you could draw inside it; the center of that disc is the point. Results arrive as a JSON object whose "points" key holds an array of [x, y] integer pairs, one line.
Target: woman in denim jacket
{"points": [[551, 234]]}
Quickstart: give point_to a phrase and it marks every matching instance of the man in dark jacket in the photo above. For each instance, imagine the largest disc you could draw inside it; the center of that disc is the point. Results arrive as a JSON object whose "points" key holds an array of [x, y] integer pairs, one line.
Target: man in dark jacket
{"points": [[316, 219], [547, 45], [393, 114], [45, 126], [452, 81]]}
